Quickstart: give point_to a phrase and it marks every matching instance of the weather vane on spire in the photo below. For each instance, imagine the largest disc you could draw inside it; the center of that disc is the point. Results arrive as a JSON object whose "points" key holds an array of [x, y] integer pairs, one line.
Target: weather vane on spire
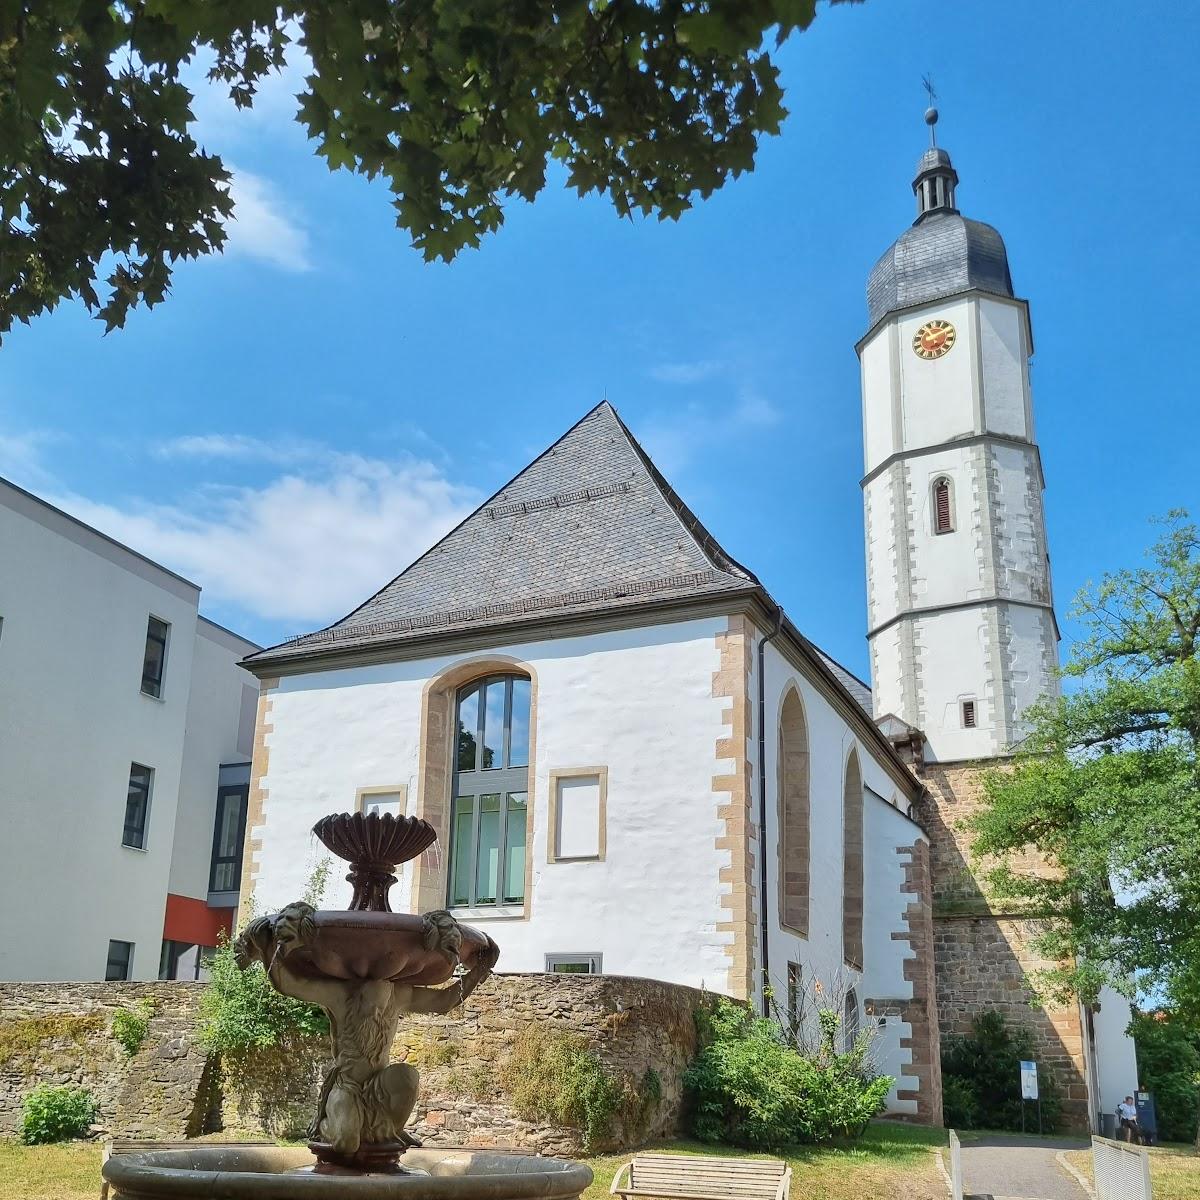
{"points": [[931, 113]]}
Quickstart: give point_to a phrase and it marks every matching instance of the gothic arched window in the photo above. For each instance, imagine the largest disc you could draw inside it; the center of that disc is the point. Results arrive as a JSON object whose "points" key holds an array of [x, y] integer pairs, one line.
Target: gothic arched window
{"points": [[943, 506], [852, 865], [794, 873], [490, 793]]}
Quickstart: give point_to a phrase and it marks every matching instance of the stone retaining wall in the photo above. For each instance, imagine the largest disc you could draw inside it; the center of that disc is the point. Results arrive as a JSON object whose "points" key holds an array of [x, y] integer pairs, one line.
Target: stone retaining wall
{"points": [[642, 1031]]}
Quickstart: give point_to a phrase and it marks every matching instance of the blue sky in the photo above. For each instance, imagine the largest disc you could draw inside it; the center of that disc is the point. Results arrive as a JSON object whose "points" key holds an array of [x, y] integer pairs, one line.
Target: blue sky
{"points": [[309, 411]]}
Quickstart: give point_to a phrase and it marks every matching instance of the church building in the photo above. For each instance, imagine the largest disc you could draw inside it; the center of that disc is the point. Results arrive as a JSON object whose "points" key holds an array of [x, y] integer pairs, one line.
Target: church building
{"points": [[637, 764]]}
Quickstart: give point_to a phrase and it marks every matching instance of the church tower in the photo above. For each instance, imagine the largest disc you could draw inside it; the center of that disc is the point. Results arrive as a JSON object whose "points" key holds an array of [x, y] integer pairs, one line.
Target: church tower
{"points": [[960, 621]]}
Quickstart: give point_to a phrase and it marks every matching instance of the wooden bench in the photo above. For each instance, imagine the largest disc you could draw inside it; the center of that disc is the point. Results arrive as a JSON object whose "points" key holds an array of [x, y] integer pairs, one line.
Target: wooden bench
{"points": [[703, 1177], [128, 1145]]}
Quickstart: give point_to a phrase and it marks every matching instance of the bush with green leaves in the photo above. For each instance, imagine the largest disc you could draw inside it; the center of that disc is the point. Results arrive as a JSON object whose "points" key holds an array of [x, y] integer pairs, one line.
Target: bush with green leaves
{"points": [[748, 1087], [130, 1025], [240, 1011], [56, 1114], [981, 1077], [1168, 1058]]}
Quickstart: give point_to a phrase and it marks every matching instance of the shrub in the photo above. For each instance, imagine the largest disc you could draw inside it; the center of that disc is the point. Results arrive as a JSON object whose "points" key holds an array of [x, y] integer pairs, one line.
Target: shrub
{"points": [[981, 1075], [55, 1114], [1169, 1066], [553, 1076], [240, 1011], [130, 1025], [748, 1087], [960, 1103]]}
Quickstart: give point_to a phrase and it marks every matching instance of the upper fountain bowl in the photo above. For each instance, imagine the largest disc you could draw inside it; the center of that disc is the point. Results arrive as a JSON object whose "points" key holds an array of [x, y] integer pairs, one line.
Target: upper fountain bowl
{"points": [[377, 839], [373, 844]]}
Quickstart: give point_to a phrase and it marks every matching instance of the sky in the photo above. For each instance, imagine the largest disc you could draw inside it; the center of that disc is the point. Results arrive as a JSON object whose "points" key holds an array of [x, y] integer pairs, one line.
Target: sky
{"points": [[306, 413]]}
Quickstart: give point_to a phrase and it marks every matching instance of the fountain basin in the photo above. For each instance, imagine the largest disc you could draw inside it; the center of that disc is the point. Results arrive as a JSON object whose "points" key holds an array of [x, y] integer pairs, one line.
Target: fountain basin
{"points": [[211, 1171], [378, 945]]}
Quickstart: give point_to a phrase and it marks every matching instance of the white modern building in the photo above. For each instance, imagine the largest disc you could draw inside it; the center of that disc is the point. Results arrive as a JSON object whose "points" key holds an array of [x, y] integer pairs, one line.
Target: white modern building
{"points": [[126, 729]]}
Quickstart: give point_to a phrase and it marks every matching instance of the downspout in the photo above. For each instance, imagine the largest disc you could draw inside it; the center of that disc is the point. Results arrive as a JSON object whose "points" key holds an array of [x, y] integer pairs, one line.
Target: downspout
{"points": [[762, 808]]}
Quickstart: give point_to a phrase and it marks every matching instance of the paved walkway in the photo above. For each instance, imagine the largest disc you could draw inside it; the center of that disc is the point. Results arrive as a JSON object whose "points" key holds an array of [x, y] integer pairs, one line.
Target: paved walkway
{"points": [[1010, 1167]]}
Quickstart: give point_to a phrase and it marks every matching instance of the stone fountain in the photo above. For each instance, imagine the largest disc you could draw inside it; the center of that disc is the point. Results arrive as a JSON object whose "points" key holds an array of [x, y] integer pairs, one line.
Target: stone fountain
{"points": [[366, 967]]}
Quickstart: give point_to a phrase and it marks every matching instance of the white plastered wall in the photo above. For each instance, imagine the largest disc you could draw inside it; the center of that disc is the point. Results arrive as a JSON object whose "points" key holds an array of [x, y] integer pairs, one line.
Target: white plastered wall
{"points": [[820, 955], [217, 733], [1116, 1056], [72, 720], [636, 701]]}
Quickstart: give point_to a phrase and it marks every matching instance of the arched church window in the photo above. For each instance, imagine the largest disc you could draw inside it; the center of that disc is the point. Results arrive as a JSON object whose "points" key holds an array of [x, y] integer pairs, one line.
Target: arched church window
{"points": [[943, 506], [850, 1021], [490, 793], [852, 865], [794, 837]]}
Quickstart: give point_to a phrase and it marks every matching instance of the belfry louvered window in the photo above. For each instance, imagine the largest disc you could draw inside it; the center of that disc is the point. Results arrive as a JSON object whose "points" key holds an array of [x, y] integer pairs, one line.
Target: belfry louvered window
{"points": [[943, 506], [491, 788]]}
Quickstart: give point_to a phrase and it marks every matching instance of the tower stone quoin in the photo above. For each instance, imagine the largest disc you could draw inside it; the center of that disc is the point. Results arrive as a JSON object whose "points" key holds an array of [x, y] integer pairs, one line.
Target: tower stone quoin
{"points": [[961, 623]]}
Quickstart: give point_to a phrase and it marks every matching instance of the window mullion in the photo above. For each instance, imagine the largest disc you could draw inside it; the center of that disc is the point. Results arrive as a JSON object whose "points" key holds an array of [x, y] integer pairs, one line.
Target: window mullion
{"points": [[473, 856], [504, 751]]}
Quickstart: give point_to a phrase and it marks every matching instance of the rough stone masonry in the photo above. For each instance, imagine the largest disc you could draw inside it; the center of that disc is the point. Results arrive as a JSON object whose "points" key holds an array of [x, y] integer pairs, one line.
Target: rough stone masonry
{"points": [[61, 1033]]}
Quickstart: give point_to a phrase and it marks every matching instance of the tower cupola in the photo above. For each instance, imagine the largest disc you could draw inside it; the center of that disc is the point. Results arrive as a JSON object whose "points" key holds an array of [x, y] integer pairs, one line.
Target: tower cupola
{"points": [[935, 183], [936, 178]]}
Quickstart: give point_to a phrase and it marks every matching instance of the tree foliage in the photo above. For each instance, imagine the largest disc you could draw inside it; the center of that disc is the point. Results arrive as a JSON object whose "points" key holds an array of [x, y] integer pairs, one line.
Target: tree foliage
{"points": [[1168, 1058], [981, 1077], [458, 105], [1106, 788]]}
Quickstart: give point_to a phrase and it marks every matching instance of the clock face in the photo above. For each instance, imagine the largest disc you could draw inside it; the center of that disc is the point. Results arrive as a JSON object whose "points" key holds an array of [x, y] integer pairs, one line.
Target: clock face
{"points": [[934, 339]]}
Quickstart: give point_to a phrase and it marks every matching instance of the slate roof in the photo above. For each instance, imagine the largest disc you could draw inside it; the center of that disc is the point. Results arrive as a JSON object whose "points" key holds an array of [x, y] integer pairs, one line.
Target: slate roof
{"points": [[590, 525], [855, 686], [943, 254]]}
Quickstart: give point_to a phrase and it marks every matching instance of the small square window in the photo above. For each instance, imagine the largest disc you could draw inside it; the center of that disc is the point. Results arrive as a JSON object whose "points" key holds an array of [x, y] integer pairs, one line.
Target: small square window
{"points": [[968, 714], [120, 962], [154, 660], [137, 807], [574, 964]]}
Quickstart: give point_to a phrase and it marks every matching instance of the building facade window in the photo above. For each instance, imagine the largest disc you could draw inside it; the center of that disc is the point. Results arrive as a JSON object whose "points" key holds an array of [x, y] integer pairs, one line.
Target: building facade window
{"points": [[850, 1020], [185, 960], [229, 830], [795, 978], [794, 815], [574, 964], [382, 800], [489, 798], [137, 807], [969, 719], [120, 962], [852, 865], [154, 661], [943, 506]]}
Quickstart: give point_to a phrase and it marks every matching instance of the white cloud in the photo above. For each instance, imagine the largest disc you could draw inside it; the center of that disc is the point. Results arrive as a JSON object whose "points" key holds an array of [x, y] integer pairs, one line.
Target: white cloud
{"points": [[685, 372], [263, 227], [304, 547], [755, 411], [238, 446], [675, 438], [21, 456]]}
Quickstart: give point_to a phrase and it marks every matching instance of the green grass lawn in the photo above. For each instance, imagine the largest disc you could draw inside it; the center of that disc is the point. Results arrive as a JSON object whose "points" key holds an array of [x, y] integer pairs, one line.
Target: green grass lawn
{"points": [[890, 1162], [1174, 1171]]}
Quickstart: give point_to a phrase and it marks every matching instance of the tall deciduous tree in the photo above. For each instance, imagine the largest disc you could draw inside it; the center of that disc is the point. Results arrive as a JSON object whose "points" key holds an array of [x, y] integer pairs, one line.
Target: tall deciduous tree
{"points": [[458, 104], [1107, 788]]}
